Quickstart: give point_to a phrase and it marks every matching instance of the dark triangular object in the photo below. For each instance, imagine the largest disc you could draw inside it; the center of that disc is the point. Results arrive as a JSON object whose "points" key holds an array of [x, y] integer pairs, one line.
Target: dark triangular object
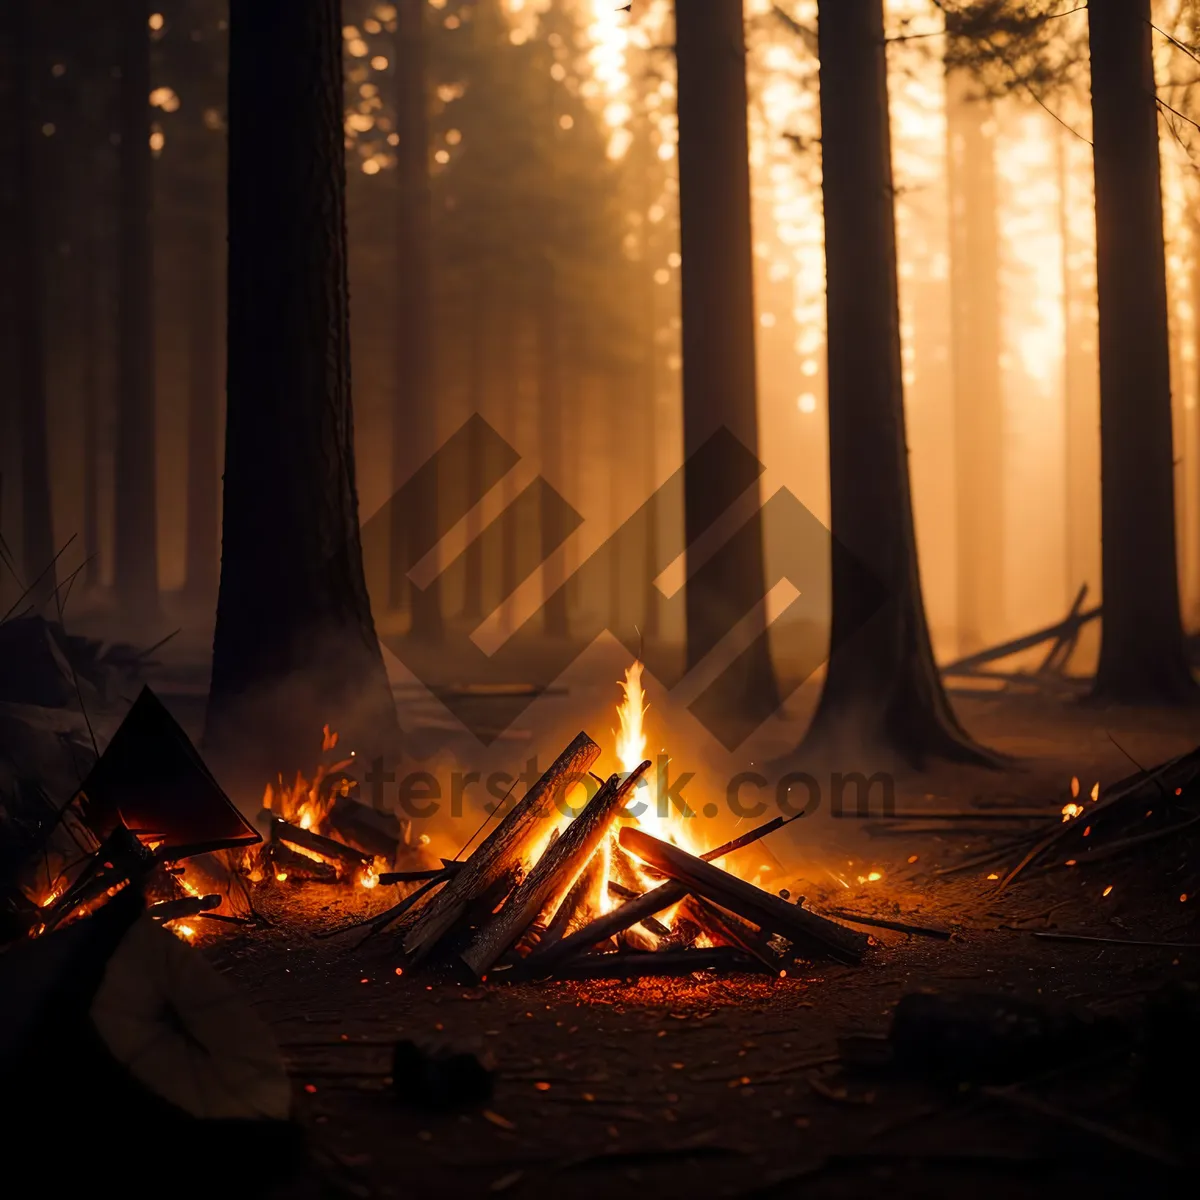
{"points": [[152, 779]]}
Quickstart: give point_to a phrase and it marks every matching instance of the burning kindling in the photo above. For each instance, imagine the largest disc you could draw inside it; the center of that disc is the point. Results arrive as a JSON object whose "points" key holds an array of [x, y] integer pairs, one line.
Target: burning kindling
{"points": [[571, 878]]}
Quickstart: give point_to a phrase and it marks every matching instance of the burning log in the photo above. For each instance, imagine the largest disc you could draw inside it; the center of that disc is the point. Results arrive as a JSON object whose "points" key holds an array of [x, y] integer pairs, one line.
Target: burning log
{"points": [[726, 929], [503, 849], [807, 931], [574, 901], [305, 839], [377, 833], [286, 863], [560, 864], [187, 906], [637, 911]]}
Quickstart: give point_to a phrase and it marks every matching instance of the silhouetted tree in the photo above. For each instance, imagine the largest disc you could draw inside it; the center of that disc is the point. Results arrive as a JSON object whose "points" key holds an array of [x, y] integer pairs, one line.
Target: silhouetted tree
{"points": [[717, 299], [1142, 656], [882, 690], [295, 642], [135, 544]]}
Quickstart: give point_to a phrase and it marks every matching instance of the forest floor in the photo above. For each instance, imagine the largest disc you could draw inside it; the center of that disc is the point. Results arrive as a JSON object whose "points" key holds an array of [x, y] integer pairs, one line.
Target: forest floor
{"points": [[730, 1086]]}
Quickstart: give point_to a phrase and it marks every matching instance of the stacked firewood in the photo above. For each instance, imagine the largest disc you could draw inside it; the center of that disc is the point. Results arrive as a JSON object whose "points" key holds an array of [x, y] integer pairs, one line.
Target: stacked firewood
{"points": [[505, 910]]}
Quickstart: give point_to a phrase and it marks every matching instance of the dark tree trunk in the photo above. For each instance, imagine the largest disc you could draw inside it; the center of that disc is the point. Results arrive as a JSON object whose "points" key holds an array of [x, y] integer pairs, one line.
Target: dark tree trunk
{"points": [[414, 418], [295, 642], [1142, 658], [975, 356], [200, 569], [135, 545], [717, 301], [37, 530], [882, 690]]}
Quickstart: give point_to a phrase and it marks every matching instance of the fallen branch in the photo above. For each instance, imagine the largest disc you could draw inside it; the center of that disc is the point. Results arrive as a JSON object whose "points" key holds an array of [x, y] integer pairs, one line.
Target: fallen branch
{"points": [[942, 935]]}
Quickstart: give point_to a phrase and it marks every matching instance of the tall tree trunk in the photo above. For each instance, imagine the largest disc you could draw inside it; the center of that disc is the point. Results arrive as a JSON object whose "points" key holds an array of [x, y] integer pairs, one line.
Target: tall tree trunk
{"points": [[200, 550], [135, 546], [295, 642], [414, 418], [882, 690], [37, 529], [1142, 656], [717, 303], [975, 357]]}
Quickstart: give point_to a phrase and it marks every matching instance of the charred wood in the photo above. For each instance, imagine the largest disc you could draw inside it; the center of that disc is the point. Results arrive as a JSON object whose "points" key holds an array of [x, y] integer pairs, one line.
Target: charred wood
{"points": [[808, 932], [636, 911], [557, 868], [186, 906], [283, 831], [504, 848]]}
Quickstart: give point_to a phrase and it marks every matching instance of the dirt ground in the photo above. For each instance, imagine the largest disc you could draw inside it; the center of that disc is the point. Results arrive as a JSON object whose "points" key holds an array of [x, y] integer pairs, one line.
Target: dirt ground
{"points": [[731, 1086]]}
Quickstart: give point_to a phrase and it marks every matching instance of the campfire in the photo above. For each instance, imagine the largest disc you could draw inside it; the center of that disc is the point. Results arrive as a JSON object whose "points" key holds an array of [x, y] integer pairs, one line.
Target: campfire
{"points": [[302, 821], [583, 875]]}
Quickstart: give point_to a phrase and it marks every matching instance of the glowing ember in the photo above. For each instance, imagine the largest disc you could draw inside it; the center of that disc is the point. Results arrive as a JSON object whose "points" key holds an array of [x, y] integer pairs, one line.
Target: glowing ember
{"points": [[1071, 811], [185, 932]]}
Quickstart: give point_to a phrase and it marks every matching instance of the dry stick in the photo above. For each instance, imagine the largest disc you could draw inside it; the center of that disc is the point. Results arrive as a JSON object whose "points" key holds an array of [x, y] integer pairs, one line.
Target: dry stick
{"points": [[1112, 849], [558, 866], [807, 931], [942, 935], [1100, 806], [505, 846], [646, 905], [1107, 941], [728, 929]]}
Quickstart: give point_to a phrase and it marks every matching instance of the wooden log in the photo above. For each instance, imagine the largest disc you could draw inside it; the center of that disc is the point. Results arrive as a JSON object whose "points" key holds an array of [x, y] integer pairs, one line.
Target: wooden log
{"points": [[1058, 631], [589, 881], [556, 869], [504, 848], [297, 867], [185, 906], [808, 932], [338, 852], [728, 929], [636, 911]]}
